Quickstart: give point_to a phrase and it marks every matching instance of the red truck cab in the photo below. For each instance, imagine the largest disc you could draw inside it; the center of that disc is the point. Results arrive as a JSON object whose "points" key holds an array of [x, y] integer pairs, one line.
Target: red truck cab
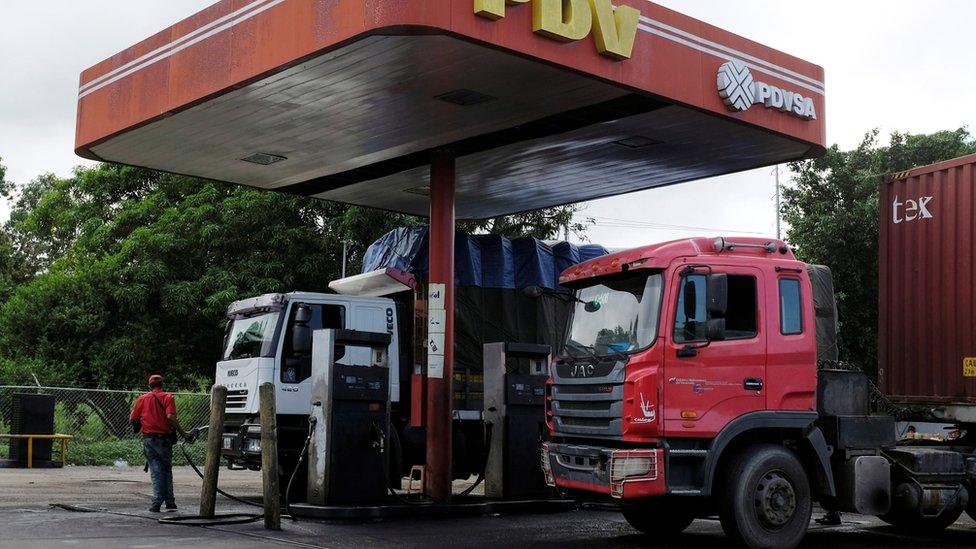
{"points": [[678, 353]]}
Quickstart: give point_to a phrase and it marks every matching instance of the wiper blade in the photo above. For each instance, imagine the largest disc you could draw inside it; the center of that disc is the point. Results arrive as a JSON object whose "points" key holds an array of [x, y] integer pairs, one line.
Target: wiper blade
{"points": [[589, 350], [619, 354]]}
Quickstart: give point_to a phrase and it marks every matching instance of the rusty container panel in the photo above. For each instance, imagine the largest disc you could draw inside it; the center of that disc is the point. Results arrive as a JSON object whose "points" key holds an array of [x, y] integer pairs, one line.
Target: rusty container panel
{"points": [[927, 251]]}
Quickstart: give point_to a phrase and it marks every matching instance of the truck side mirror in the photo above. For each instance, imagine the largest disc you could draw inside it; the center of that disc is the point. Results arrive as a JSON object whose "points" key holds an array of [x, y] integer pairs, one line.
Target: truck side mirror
{"points": [[303, 314], [718, 295], [301, 332], [715, 329]]}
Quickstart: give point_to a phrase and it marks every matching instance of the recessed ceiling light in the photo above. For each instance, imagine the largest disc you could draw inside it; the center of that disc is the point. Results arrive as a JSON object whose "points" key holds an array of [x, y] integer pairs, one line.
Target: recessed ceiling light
{"points": [[637, 142], [465, 97], [422, 191], [264, 159]]}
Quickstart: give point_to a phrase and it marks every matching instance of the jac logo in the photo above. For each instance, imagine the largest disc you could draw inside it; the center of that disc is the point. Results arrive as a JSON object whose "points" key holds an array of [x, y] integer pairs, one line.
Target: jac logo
{"points": [[911, 209], [582, 370], [231, 373]]}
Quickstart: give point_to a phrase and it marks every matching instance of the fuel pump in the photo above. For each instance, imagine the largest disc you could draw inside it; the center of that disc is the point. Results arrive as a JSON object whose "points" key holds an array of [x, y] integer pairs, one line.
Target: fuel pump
{"points": [[350, 414], [515, 414]]}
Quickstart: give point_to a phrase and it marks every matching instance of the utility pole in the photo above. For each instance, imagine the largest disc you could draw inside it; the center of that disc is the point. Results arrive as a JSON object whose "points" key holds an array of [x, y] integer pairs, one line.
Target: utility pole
{"points": [[778, 233], [345, 250]]}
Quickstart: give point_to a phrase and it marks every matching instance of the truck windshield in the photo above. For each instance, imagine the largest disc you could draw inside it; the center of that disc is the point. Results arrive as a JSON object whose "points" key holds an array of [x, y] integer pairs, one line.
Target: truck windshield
{"points": [[251, 336], [616, 316]]}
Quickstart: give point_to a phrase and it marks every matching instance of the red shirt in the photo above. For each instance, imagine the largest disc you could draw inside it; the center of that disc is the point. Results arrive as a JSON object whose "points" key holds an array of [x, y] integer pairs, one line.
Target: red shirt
{"points": [[151, 414]]}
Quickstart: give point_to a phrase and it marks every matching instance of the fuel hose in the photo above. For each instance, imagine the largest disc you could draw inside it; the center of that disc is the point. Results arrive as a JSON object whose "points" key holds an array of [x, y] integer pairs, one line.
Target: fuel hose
{"points": [[186, 455]]}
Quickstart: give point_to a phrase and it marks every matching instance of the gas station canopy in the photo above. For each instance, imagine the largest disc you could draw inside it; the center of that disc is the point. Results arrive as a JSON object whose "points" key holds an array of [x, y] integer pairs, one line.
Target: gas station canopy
{"points": [[542, 102]]}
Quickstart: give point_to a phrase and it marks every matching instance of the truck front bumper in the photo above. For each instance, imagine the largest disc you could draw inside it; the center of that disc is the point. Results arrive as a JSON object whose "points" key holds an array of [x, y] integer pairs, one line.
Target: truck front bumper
{"points": [[242, 445], [619, 473]]}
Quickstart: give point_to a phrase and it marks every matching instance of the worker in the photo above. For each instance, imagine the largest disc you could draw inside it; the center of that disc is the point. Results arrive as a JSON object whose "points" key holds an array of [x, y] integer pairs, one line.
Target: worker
{"points": [[155, 416]]}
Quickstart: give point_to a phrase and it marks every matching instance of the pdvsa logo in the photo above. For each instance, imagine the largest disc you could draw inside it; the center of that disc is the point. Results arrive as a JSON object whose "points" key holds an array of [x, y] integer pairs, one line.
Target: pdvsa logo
{"points": [[739, 91], [614, 28], [910, 209]]}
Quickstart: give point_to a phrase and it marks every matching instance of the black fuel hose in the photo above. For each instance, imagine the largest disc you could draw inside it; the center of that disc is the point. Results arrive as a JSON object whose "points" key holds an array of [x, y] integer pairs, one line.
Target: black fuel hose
{"points": [[196, 520], [379, 444], [294, 473], [189, 460], [484, 466], [210, 524]]}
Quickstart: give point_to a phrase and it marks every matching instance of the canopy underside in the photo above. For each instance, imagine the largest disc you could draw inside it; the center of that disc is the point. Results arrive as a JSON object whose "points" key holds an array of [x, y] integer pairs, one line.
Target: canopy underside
{"points": [[357, 124]]}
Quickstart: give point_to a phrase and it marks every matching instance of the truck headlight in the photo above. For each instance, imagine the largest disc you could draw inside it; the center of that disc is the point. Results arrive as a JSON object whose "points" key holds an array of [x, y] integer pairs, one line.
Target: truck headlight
{"points": [[631, 466], [228, 443], [253, 445]]}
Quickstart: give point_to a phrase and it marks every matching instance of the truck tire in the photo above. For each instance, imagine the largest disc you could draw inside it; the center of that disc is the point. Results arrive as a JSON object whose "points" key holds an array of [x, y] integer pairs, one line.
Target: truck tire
{"points": [[765, 500], [659, 517]]}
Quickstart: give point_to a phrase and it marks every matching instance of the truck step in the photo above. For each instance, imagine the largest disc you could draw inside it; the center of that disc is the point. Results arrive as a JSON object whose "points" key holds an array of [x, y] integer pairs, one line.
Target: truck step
{"points": [[681, 452], [685, 492]]}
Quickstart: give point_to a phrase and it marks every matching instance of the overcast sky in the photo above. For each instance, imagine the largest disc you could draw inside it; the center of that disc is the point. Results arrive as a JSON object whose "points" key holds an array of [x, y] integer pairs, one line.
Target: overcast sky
{"points": [[897, 65]]}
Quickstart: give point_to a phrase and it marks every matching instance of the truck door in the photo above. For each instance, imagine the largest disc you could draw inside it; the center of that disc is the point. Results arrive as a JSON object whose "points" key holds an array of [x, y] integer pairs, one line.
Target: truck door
{"points": [[295, 368], [380, 318], [707, 384]]}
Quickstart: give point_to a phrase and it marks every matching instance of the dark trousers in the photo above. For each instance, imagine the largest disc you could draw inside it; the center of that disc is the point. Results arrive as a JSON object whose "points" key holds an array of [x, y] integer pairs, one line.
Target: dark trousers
{"points": [[159, 454]]}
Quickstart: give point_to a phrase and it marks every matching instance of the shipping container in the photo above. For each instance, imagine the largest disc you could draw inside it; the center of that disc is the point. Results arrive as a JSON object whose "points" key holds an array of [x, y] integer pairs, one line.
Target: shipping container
{"points": [[927, 251]]}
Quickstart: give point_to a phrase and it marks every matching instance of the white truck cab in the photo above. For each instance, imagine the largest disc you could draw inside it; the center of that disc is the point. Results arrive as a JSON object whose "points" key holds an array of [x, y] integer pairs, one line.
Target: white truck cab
{"points": [[258, 349], [257, 345]]}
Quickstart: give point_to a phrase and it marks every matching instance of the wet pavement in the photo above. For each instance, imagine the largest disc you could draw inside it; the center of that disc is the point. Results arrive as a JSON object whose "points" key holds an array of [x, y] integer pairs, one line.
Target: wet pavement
{"points": [[28, 520]]}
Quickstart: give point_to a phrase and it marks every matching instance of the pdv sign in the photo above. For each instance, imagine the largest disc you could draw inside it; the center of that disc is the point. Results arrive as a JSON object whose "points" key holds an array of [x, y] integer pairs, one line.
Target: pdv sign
{"points": [[614, 28]]}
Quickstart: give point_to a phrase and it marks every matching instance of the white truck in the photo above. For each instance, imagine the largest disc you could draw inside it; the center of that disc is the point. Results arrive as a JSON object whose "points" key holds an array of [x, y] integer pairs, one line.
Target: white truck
{"points": [[263, 344]]}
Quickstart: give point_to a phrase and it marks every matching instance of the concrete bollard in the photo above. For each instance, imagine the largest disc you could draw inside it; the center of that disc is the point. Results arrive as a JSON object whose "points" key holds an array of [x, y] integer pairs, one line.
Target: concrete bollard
{"points": [[269, 457], [208, 493]]}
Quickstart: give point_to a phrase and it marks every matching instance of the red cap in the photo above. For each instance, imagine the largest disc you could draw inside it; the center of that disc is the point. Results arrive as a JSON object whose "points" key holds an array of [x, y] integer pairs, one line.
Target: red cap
{"points": [[155, 378]]}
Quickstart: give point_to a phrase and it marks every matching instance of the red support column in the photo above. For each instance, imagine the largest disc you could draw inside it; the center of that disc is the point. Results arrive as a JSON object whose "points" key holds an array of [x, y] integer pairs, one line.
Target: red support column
{"points": [[440, 375]]}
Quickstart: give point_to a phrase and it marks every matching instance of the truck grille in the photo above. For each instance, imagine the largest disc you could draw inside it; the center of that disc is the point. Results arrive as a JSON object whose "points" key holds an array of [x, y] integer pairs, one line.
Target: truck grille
{"points": [[589, 406], [236, 399]]}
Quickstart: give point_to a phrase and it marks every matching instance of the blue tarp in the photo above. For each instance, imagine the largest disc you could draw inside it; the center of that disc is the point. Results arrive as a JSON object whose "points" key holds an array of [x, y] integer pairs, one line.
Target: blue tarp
{"points": [[485, 260]]}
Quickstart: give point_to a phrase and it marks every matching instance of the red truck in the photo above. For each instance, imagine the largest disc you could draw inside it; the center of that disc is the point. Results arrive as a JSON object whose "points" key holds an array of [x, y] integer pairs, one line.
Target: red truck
{"points": [[689, 386]]}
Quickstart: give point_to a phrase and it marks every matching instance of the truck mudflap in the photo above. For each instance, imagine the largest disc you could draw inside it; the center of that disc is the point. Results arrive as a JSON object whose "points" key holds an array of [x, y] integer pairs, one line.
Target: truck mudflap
{"points": [[619, 473]]}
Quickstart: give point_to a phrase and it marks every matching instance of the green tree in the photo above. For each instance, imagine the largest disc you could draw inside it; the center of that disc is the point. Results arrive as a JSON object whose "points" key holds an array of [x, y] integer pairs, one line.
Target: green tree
{"points": [[134, 269], [543, 224], [122, 271], [832, 211], [13, 269]]}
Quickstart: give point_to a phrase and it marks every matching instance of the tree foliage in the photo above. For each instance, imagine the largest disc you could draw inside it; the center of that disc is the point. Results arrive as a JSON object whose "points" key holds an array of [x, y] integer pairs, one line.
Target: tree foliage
{"points": [[133, 269], [115, 272], [13, 269], [832, 211], [542, 224]]}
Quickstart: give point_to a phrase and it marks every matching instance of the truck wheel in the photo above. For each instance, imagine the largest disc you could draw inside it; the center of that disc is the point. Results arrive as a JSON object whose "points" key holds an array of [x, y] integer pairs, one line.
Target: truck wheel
{"points": [[766, 498], [658, 517]]}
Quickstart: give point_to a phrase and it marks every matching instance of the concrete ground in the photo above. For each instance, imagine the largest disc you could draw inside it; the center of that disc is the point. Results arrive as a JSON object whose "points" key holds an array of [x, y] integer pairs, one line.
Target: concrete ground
{"points": [[27, 521]]}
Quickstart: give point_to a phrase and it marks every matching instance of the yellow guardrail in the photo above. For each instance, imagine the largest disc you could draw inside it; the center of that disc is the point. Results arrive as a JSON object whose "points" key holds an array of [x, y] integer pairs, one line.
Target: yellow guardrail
{"points": [[63, 439]]}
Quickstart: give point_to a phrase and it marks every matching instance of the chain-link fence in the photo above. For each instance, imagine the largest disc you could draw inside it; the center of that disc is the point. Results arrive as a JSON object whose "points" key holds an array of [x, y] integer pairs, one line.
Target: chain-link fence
{"points": [[99, 421]]}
